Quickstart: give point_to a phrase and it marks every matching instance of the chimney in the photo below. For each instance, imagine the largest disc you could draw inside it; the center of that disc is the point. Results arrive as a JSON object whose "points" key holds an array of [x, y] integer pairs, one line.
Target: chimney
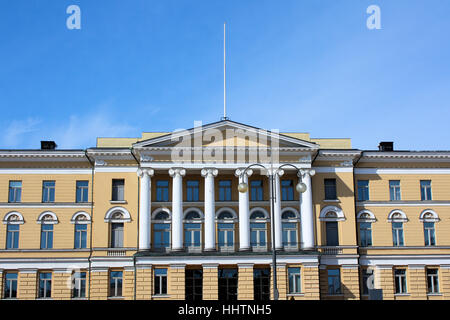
{"points": [[386, 146], [48, 145]]}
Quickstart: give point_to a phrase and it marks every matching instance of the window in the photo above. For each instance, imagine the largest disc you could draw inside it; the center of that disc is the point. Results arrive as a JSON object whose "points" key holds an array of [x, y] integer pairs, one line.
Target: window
{"points": [[257, 192], [192, 190], [115, 283], [394, 190], [334, 281], [48, 191], [194, 284], [428, 229], [82, 191], [118, 193], [162, 190], [258, 235], [332, 233], [117, 235], [192, 235], [330, 189], [226, 235], [161, 236], [363, 190], [15, 191], [365, 234], [228, 284], [47, 236], [261, 284], [294, 280], [397, 233], [400, 281], [367, 280], [433, 280], [289, 234], [45, 285], [10, 285], [160, 281], [79, 285], [287, 190], [12, 236], [225, 190], [80, 236], [425, 190]]}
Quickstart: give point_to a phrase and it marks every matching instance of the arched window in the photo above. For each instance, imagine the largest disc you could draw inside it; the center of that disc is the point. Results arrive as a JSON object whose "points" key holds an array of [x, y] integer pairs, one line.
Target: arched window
{"points": [[365, 219], [429, 217], [13, 220], [226, 218], [81, 221], [161, 222], [258, 229], [47, 220], [117, 217], [397, 218], [290, 226], [193, 218]]}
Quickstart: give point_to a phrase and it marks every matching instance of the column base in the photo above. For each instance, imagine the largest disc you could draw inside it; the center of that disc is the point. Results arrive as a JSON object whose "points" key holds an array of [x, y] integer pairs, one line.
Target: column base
{"points": [[245, 249], [209, 249], [177, 250]]}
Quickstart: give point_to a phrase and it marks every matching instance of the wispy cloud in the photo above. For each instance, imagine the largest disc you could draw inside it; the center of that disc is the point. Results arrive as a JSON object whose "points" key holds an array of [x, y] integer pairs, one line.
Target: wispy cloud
{"points": [[15, 133]]}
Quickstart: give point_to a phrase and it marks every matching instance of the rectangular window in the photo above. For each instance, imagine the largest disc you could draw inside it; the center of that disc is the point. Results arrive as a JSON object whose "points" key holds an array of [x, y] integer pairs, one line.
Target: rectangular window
{"points": [[365, 234], [366, 279], [160, 281], [79, 285], [228, 284], [192, 190], [162, 190], [294, 280], [287, 190], [15, 191], [433, 280], [394, 190], [425, 190], [330, 189], [118, 192], [289, 235], [48, 191], [116, 235], [192, 235], [194, 284], [46, 236], [400, 281], [429, 233], [80, 236], [225, 190], [161, 236], [258, 235], [115, 283], [82, 191], [45, 285], [261, 284], [363, 190], [226, 235], [257, 192], [10, 285], [12, 236], [332, 233], [397, 233], [334, 281]]}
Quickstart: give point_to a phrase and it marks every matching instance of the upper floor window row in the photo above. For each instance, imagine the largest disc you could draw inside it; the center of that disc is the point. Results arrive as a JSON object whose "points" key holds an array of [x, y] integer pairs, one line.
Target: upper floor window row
{"points": [[395, 193]]}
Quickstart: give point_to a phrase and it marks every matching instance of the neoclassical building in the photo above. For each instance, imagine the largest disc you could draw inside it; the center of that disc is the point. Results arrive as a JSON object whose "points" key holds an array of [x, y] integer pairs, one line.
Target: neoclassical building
{"points": [[194, 214]]}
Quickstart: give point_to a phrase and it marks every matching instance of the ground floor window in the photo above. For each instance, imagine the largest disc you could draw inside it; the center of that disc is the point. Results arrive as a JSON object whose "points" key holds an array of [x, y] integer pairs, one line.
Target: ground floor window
{"points": [[261, 283], [433, 280], [115, 283], [160, 281], [228, 284], [79, 285], [45, 285], [10, 285], [194, 284], [400, 281], [294, 280], [334, 281]]}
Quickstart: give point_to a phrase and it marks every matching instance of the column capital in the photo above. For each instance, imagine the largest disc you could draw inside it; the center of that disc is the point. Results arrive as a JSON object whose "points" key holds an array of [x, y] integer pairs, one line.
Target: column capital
{"points": [[274, 171], [209, 171], [142, 172], [239, 171], [177, 171], [304, 172]]}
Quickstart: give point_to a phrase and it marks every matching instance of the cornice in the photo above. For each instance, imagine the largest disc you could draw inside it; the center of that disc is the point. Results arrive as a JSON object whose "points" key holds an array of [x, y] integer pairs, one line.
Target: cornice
{"points": [[415, 156]]}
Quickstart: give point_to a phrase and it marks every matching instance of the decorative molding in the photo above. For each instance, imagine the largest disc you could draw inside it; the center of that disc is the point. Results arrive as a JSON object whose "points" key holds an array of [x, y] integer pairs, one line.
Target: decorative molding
{"points": [[209, 172], [177, 171]]}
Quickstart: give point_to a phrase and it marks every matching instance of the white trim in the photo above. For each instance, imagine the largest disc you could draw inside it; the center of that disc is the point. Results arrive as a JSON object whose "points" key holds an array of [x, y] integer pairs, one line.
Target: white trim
{"points": [[403, 218], [116, 169], [390, 261], [126, 215], [73, 220], [43, 214], [402, 204], [340, 214], [220, 166], [11, 213], [266, 213], [333, 169], [200, 212], [163, 209], [45, 171], [435, 217], [371, 218], [297, 214], [233, 212], [402, 171]]}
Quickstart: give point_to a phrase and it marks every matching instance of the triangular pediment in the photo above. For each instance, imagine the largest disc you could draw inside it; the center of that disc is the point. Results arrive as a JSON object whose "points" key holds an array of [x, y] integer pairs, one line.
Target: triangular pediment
{"points": [[226, 133]]}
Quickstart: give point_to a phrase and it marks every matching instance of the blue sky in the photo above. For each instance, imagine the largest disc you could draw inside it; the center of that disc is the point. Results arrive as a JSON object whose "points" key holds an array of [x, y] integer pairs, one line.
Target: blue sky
{"points": [[293, 65]]}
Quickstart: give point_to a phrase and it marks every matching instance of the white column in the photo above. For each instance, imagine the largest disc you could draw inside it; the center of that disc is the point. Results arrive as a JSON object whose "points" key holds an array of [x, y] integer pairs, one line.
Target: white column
{"points": [[244, 219], [145, 208], [210, 208], [277, 210], [306, 211], [177, 208]]}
